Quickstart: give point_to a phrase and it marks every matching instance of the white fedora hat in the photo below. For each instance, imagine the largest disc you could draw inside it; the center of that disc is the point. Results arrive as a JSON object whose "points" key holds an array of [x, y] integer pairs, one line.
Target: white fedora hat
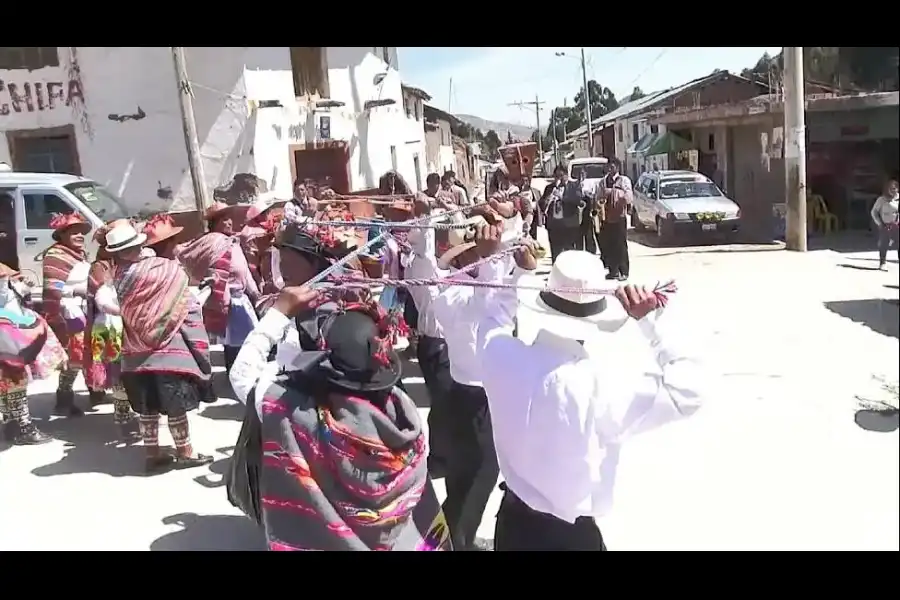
{"points": [[570, 314], [122, 237]]}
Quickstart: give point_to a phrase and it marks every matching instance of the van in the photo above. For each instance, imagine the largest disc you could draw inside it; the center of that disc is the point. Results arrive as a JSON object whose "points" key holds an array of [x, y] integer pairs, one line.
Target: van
{"points": [[28, 201]]}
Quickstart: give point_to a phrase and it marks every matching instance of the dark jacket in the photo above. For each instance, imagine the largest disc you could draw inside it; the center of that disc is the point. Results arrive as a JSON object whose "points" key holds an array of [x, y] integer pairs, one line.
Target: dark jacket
{"points": [[563, 208]]}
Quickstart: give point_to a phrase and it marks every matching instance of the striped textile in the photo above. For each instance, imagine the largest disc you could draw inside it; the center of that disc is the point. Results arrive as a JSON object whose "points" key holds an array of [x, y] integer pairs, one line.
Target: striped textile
{"points": [[58, 261], [164, 332], [210, 255]]}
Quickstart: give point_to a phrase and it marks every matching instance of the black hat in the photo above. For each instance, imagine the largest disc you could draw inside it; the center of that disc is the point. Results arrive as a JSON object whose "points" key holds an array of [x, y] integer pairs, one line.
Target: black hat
{"points": [[360, 356], [296, 239]]}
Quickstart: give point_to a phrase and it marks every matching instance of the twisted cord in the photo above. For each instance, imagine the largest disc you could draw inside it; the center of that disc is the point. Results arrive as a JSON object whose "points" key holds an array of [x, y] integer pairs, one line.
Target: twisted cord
{"points": [[662, 291], [330, 271], [362, 224]]}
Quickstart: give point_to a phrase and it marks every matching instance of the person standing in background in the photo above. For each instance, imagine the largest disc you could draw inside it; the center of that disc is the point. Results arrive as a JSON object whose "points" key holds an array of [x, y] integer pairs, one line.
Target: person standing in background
{"points": [[565, 204], [448, 183], [616, 195], [885, 216]]}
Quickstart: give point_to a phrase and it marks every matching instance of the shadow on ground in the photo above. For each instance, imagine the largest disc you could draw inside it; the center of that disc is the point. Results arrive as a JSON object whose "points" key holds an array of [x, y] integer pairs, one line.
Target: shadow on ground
{"points": [[878, 421], [875, 313], [224, 410], [218, 469], [210, 533], [858, 267], [845, 242], [714, 245], [93, 444]]}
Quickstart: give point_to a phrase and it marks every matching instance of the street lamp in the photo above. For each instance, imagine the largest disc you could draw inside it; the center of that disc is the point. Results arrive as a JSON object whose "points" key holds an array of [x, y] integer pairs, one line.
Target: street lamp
{"points": [[587, 99]]}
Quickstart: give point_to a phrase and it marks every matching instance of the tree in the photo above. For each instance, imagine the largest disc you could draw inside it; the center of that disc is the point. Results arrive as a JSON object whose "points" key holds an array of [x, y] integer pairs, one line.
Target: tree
{"points": [[869, 68], [602, 100], [491, 143], [636, 94]]}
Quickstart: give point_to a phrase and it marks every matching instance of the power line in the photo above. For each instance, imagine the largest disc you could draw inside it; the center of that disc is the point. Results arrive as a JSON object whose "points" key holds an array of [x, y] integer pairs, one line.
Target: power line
{"points": [[644, 72]]}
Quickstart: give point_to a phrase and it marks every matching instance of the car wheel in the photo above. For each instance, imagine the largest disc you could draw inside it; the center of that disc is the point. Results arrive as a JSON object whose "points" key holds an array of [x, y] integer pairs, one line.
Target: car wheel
{"points": [[636, 221]]}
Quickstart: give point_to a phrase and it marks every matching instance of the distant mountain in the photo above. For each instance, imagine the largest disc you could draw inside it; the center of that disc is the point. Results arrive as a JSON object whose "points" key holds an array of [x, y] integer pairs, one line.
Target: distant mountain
{"points": [[519, 132]]}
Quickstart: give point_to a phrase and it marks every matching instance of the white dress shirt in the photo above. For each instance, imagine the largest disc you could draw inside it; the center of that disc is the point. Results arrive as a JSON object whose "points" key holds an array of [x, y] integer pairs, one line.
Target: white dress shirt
{"points": [[424, 266], [560, 411], [252, 367]]}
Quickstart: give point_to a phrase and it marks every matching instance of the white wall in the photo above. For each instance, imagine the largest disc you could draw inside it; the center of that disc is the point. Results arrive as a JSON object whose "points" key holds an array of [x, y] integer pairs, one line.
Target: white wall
{"points": [[136, 158]]}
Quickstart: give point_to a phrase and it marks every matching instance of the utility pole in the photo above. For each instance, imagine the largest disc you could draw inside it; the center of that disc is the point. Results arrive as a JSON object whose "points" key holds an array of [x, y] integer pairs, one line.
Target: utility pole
{"points": [[192, 144], [536, 103], [794, 149], [450, 96], [555, 141], [587, 105]]}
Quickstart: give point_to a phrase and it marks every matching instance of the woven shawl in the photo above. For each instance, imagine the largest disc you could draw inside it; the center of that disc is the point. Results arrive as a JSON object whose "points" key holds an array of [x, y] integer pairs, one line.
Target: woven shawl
{"points": [[59, 260]]}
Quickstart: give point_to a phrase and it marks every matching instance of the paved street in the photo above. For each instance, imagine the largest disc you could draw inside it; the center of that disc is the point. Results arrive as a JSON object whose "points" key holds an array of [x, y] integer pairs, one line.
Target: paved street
{"points": [[774, 461]]}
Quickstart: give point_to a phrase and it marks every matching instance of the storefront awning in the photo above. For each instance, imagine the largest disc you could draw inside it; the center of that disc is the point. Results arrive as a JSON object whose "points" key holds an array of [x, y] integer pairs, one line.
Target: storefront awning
{"points": [[669, 143], [642, 145]]}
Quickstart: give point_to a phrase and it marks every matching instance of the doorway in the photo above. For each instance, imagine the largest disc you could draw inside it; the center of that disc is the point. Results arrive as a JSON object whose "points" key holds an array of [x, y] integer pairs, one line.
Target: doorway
{"points": [[325, 166], [418, 168]]}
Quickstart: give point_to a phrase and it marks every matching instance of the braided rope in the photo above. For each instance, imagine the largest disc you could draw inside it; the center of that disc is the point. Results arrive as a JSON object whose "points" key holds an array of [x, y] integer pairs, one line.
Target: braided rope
{"points": [[330, 271], [362, 224]]}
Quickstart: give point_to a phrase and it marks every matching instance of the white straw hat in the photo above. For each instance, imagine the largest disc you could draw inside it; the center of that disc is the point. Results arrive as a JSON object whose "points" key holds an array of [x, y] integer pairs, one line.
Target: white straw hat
{"points": [[122, 237]]}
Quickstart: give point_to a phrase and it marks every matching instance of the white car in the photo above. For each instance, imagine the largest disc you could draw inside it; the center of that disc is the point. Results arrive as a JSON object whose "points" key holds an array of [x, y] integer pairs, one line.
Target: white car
{"points": [[683, 203]]}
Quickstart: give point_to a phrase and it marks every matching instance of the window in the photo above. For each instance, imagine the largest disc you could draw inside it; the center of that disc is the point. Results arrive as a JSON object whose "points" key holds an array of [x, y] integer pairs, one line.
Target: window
{"points": [[641, 184], [712, 142], [408, 105], [44, 150], [22, 57], [100, 200], [621, 136], [654, 129], [394, 158], [418, 110], [308, 68], [635, 133], [40, 208]]}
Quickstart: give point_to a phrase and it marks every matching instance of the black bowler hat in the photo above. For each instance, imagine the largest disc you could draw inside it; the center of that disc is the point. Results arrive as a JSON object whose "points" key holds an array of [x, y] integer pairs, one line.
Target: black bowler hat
{"points": [[297, 239]]}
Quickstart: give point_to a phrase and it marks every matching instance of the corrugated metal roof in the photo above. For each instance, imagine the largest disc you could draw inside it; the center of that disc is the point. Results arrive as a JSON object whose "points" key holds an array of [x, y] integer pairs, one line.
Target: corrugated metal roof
{"points": [[648, 101]]}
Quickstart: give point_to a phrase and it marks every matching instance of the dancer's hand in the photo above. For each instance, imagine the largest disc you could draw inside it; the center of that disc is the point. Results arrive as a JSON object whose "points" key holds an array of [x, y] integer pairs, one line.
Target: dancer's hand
{"points": [[487, 239], [638, 301], [296, 299], [503, 206], [421, 205], [526, 256]]}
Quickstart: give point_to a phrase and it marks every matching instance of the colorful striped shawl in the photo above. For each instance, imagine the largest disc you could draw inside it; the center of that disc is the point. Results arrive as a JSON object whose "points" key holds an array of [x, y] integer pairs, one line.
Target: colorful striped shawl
{"points": [[155, 300], [210, 255], [59, 260]]}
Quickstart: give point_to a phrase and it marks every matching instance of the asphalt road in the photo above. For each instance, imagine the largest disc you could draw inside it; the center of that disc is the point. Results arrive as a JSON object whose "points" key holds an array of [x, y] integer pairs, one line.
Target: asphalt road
{"points": [[774, 461]]}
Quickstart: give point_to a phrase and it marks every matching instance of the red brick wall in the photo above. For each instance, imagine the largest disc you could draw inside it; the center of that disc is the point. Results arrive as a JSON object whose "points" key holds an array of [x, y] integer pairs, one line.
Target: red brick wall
{"points": [[723, 91]]}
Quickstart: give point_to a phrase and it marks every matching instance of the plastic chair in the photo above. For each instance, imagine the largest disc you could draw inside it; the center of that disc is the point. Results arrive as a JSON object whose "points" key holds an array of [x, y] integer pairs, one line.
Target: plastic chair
{"points": [[818, 216]]}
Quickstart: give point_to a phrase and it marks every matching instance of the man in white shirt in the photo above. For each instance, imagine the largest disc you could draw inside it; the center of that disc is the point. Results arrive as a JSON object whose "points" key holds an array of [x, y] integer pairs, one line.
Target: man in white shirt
{"points": [[472, 468], [616, 196], [885, 216], [562, 406]]}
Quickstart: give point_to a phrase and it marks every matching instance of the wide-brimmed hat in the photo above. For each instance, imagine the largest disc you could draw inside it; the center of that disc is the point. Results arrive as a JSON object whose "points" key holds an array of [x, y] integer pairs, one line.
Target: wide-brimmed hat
{"points": [[62, 222], [123, 236], [573, 314], [100, 234], [159, 228], [460, 240], [216, 210], [263, 203], [7, 271], [294, 238]]}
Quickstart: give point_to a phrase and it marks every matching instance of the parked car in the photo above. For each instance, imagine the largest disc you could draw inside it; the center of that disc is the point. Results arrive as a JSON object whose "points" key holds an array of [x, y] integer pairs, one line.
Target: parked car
{"points": [[683, 204], [594, 170], [36, 197]]}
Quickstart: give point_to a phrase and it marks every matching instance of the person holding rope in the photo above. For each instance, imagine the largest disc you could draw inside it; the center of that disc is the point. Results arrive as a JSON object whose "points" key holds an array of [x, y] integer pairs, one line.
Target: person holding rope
{"points": [[472, 468], [563, 405]]}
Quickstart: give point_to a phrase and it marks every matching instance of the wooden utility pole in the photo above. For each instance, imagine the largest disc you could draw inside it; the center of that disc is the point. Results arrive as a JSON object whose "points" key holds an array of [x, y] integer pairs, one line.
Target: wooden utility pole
{"points": [[536, 103], [794, 150], [192, 144], [450, 96], [587, 105]]}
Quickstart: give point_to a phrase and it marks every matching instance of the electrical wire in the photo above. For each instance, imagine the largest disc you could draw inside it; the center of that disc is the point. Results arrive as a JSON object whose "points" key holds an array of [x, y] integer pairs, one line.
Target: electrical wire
{"points": [[645, 71]]}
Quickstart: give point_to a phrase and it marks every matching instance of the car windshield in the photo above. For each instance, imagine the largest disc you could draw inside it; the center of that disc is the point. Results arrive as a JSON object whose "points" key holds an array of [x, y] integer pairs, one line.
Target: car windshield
{"points": [[100, 200], [590, 171], [687, 188]]}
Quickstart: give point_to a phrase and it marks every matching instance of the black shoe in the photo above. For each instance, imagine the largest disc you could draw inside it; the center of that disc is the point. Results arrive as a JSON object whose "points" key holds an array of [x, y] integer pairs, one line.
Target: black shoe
{"points": [[29, 435], [153, 465], [612, 276], [98, 397], [65, 405], [622, 277]]}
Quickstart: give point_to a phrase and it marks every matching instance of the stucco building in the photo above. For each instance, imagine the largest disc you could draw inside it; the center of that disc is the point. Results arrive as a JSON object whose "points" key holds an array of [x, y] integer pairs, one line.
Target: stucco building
{"points": [[112, 114]]}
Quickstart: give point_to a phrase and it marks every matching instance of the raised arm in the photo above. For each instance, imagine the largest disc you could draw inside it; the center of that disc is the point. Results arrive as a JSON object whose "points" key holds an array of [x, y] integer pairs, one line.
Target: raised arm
{"points": [[253, 357]]}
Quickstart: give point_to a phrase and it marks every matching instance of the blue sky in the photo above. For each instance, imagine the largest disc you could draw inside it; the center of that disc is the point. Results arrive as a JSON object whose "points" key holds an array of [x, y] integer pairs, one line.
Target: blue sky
{"points": [[485, 80]]}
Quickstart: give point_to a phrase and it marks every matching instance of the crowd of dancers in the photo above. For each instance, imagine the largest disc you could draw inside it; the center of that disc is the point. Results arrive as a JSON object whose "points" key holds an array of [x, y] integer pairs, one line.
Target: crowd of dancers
{"points": [[309, 301]]}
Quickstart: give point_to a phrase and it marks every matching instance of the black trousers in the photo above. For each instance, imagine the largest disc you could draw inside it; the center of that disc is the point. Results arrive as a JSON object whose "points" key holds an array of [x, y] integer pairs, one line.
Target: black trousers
{"points": [[614, 249], [521, 528], [435, 366], [886, 237], [230, 354], [472, 469], [564, 238]]}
